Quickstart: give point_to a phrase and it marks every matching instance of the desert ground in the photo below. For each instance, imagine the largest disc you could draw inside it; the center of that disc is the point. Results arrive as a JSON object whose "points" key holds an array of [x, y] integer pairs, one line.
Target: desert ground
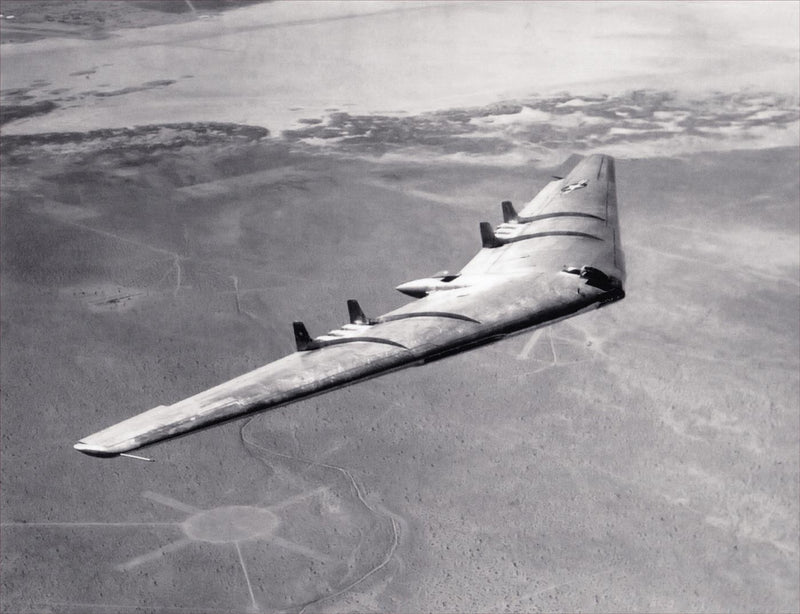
{"points": [[643, 457]]}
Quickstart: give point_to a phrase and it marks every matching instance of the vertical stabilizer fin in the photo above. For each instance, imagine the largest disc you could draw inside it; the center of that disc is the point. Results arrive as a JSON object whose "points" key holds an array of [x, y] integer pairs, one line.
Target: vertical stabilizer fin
{"points": [[301, 337], [356, 313], [488, 239], [509, 213]]}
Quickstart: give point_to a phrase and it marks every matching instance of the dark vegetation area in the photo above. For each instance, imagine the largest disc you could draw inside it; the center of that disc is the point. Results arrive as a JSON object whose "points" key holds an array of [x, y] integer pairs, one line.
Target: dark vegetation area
{"points": [[9, 113], [639, 115], [126, 141], [27, 20]]}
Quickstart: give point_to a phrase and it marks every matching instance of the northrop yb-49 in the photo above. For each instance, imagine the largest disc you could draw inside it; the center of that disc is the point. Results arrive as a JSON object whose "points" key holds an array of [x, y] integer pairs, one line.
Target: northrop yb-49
{"points": [[560, 255]]}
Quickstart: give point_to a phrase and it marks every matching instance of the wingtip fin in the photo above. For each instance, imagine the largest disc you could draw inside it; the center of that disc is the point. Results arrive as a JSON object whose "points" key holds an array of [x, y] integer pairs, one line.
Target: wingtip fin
{"points": [[302, 339], [357, 315], [488, 238], [509, 213]]}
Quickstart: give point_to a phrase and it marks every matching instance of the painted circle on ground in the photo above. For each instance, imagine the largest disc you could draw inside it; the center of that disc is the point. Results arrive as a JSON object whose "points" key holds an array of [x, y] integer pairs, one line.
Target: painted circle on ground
{"points": [[231, 524]]}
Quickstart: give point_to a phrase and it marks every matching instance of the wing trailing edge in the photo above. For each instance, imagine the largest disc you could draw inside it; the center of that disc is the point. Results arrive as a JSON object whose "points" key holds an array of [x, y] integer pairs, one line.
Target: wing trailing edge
{"points": [[557, 257]]}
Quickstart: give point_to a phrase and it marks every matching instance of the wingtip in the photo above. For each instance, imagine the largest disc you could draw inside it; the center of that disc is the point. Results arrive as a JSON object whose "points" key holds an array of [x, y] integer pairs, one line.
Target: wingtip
{"points": [[93, 450]]}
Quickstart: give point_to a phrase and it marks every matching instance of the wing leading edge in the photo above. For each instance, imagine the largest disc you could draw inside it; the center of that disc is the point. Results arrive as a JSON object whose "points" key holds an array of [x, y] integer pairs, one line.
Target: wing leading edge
{"points": [[560, 256]]}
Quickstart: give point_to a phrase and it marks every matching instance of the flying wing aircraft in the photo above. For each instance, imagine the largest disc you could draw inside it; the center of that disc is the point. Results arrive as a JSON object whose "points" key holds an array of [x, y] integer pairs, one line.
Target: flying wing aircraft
{"points": [[560, 255]]}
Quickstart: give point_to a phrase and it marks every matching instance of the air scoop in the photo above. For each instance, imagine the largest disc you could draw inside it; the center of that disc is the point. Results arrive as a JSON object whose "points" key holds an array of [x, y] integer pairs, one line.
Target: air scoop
{"points": [[422, 287]]}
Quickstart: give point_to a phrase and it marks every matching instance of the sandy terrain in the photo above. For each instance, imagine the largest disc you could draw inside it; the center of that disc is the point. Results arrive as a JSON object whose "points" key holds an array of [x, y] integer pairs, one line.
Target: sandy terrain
{"points": [[641, 458]]}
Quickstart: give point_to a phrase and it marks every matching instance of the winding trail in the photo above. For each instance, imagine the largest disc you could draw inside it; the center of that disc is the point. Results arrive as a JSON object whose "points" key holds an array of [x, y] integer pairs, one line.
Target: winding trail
{"points": [[173, 256], [383, 512]]}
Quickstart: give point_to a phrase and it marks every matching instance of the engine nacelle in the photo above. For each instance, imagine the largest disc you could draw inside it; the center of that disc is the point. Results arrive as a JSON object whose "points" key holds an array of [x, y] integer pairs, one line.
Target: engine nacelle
{"points": [[422, 287]]}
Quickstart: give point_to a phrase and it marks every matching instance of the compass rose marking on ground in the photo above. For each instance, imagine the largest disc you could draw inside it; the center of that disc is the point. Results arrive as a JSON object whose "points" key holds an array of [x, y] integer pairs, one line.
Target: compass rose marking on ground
{"points": [[231, 525]]}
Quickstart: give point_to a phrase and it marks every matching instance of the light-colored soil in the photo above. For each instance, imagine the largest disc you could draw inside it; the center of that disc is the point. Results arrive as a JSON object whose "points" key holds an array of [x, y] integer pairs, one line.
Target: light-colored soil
{"points": [[643, 457], [568, 470]]}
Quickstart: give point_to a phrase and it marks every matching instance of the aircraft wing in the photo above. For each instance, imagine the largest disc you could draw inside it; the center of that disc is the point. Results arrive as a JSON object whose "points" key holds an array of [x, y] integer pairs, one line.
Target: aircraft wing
{"points": [[558, 256]]}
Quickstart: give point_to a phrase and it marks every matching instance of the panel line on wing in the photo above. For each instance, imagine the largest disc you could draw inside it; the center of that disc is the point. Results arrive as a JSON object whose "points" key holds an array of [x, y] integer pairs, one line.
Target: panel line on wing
{"points": [[545, 216], [552, 233], [320, 343], [426, 314], [507, 289]]}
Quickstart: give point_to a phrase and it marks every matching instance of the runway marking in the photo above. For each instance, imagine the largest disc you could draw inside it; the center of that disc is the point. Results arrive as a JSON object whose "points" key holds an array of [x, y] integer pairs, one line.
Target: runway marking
{"points": [[552, 347], [154, 554], [579, 580], [246, 576], [383, 511], [170, 502], [300, 497], [236, 291], [176, 258], [523, 355], [177, 264], [295, 547], [116, 237], [105, 607]]}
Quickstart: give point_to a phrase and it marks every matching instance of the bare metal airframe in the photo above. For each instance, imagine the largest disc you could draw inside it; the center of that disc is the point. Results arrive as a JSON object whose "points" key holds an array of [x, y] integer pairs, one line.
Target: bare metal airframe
{"points": [[557, 257]]}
